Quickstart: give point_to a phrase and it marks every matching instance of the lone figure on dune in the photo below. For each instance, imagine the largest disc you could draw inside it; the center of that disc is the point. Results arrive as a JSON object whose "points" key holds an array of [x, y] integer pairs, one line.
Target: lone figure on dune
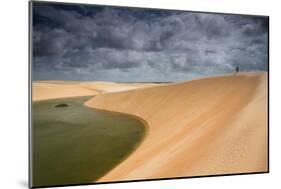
{"points": [[236, 71]]}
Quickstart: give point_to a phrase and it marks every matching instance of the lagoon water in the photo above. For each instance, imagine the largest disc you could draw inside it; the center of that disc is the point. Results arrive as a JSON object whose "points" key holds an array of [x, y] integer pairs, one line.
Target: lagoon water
{"points": [[73, 144]]}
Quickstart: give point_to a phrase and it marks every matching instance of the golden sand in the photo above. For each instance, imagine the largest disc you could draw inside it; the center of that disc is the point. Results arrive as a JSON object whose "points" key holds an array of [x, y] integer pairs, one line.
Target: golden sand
{"points": [[209, 126], [43, 90]]}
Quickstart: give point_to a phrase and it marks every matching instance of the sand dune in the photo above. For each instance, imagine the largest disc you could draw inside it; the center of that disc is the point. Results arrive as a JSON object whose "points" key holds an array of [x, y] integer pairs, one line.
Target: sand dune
{"points": [[43, 90], [209, 126], [109, 87]]}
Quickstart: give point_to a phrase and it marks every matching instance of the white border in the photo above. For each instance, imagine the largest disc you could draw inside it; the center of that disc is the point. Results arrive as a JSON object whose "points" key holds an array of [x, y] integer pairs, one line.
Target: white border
{"points": [[14, 92]]}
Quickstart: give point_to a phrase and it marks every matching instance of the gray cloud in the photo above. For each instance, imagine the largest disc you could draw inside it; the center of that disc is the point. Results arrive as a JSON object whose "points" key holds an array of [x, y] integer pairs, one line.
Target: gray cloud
{"points": [[120, 44]]}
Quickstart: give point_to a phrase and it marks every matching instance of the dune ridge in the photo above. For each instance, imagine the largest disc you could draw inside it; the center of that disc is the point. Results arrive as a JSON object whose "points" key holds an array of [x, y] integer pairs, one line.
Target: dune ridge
{"points": [[208, 126], [44, 90], [49, 90]]}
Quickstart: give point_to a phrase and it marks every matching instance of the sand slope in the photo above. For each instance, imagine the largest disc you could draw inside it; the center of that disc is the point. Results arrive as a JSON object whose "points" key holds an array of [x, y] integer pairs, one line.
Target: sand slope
{"points": [[43, 90], [209, 126], [109, 87]]}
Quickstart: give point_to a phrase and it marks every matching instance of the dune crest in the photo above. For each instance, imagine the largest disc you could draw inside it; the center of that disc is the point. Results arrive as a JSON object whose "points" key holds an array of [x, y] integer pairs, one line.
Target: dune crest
{"points": [[52, 90], [44, 90], [209, 126]]}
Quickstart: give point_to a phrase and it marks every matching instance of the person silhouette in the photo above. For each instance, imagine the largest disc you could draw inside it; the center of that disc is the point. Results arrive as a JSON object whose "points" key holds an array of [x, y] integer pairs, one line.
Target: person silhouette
{"points": [[237, 70]]}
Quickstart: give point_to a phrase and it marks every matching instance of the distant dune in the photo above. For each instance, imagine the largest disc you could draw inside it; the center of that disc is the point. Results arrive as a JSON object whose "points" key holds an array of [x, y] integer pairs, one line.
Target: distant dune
{"points": [[52, 90], [43, 90], [216, 125]]}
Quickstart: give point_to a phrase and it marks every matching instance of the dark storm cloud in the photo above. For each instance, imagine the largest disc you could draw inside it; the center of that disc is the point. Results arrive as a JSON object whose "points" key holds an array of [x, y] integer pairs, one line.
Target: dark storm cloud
{"points": [[121, 44]]}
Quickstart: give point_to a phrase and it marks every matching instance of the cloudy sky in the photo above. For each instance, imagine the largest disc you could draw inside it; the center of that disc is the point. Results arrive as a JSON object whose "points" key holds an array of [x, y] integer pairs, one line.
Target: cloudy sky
{"points": [[80, 42]]}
